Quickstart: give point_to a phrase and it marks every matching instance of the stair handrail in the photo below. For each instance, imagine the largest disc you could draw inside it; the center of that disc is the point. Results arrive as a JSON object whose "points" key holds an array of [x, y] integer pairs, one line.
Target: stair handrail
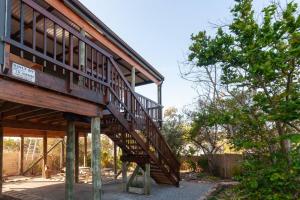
{"points": [[146, 113]]}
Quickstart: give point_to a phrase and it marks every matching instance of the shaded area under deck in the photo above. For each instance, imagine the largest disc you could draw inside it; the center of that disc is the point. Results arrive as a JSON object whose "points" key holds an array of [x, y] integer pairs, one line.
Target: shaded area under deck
{"points": [[55, 191]]}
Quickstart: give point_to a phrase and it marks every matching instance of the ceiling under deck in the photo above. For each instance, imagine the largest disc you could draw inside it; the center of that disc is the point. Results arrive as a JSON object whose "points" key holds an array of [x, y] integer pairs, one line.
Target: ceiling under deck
{"points": [[18, 119]]}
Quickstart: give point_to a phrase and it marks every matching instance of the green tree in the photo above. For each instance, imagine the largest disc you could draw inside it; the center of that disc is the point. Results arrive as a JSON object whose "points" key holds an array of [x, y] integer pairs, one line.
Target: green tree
{"points": [[260, 64], [174, 130], [261, 60]]}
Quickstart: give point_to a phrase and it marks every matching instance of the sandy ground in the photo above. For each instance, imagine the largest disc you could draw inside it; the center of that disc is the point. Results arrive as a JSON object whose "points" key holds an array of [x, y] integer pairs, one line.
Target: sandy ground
{"points": [[53, 189]]}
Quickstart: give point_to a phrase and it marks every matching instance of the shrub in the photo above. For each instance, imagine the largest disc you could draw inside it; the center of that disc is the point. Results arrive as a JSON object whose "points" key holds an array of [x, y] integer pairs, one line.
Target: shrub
{"points": [[203, 163], [192, 165], [265, 180]]}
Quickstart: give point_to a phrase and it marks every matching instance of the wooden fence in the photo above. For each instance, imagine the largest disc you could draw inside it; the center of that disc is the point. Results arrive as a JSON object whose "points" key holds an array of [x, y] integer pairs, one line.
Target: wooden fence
{"points": [[226, 165]]}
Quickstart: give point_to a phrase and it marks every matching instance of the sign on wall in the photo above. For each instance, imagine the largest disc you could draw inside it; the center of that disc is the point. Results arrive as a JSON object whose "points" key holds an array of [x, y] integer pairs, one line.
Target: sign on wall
{"points": [[23, 72]]}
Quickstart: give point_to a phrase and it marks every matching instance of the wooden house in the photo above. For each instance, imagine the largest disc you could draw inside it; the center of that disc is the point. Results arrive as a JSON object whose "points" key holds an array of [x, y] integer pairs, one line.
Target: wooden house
{"points": [[65, 73]]}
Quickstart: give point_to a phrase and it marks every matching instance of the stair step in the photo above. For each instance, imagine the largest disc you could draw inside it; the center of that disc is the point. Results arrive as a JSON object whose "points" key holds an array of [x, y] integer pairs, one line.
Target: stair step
{"points": [[120, 130]]}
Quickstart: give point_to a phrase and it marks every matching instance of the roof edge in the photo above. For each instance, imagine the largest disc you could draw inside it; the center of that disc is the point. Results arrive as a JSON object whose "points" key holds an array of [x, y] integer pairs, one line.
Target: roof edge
{"points": [[77, 6]]}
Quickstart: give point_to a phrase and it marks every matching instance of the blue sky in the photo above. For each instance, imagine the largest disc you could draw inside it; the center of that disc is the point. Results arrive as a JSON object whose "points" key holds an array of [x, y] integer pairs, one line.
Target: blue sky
{"points": [[160, 31]]}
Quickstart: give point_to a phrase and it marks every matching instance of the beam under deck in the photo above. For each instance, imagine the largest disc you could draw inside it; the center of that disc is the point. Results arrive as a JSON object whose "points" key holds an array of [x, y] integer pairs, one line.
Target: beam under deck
{"points": [[17, 92]]}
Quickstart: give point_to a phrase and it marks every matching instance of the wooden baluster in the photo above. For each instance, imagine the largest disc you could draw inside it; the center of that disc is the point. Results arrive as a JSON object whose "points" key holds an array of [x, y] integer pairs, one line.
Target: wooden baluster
{"points": [[109, 72], [118, 85], [34, 34], [92, 68], [120, 88], [64, 48], [123, 92], [103, 70], [22, 26], [128, 100], [86, 58], [70, 73], [86, 65], [133, 105], [54, 45], [148, 133], [92, 61], [114, 80], [108, 77], [97, 65], [97, 70], [80, 49], [45, 40]]}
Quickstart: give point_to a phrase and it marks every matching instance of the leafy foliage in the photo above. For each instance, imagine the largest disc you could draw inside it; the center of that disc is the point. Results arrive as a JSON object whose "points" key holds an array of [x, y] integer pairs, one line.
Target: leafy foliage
{"points": [[265, 180], [259, 110], [174, 130]]}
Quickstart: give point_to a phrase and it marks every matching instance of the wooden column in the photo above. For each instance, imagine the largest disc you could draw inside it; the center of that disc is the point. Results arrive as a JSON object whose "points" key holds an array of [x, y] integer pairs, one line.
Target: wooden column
{"points": [[21, 156], [62, 155], [85, 151], [159, 101], [69, 181], [133, 78], [124, 174], [1, 157], [95, 126], [44, 155], [115, 162], [77, 157], [159, 97], [147, 179]]}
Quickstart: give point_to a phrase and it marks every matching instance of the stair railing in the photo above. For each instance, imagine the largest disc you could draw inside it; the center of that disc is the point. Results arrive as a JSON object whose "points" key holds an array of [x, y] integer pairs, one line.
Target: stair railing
{"points": [[125, 99], [154, 109]]}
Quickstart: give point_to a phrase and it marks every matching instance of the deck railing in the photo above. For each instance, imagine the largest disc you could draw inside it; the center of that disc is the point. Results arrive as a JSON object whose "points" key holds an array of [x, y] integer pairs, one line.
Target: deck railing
{"points": [[154, 109], [95, 76]]}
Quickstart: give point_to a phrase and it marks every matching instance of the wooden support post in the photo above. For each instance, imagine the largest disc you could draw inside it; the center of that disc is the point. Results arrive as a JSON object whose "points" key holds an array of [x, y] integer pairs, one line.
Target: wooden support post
{"points": [[95, 126], [115, 161], [1, 157], [147, 179], [69, 181], [124, 175], [77, 157], [133, 78], [21, 156], [159, 101], [44, 166], [85, 151], [62, 155]]}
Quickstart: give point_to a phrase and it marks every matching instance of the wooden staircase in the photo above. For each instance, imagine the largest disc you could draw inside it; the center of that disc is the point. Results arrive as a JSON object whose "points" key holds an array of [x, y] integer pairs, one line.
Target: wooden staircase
{"points": [[132, 128]]}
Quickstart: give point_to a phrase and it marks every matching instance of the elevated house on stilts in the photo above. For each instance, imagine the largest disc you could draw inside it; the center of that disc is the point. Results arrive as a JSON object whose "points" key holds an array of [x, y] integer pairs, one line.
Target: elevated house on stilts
{"points": [[65, 73]]}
